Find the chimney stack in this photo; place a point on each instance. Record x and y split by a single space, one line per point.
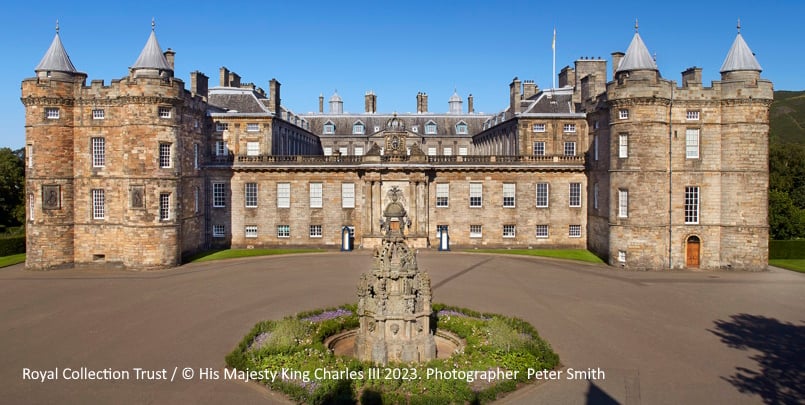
692 77
170 55
529 89
199 83
514 96
321 103
616 60
424 102
223 75
234 79
470 105
370 102
274 96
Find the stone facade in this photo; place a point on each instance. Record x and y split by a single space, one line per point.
142 173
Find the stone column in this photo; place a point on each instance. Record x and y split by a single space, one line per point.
377 206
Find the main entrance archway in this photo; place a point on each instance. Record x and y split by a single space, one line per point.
692 251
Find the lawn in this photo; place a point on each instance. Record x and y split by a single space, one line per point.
11 260
790 264
572 254
234 253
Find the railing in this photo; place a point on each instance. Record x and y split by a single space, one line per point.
354 160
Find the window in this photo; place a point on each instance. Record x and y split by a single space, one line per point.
462 151
570 148
476 194
283 231
595 195
692 143
415 128
377 128
29 155
569 128
692 115
221 149
251 195
98 152
164 206
250 231
539 148
164 112
623 146
218 195
358 128
461 128
431 151
475 231
595 146
329 128
623 203
538 128
691 204
52 113
574 231
623 114
347 195
283 195
508 195
221 126
252 127
343 150
195 156
430 128
315 231
218 231
31 207
98 204
542 195
98 114
164 155
315 195
442 194
195 200
542 231
575 194
252 148
328 151
359 151
622 256
509 231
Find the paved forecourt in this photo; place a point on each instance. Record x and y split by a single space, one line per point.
627 336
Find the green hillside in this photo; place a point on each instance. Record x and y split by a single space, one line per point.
787 118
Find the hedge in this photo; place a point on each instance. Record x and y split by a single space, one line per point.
787 249
12 245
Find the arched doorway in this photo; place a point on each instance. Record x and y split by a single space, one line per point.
692 251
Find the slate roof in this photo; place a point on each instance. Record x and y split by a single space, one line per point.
637 57
243 101
552 101
56 58
151 56
740 57
445 123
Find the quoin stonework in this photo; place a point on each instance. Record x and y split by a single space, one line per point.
646 172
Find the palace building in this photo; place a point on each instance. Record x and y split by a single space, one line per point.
143 172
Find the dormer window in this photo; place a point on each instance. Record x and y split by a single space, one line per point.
221 126
461 128
430 128
358 128
329 127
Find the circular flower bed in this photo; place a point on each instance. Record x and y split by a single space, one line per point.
289 356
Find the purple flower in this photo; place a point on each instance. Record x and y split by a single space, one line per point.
328 315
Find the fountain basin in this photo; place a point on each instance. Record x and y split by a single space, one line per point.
343 344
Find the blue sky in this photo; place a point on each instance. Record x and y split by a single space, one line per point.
393 48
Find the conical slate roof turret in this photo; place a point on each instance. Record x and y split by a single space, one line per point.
637 56
151 56
740 57
56 58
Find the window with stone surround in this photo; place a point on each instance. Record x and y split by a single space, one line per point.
252 148
595 147
570 148
218 195
539 148
164 155
476 231
283 231
344 150
542 231
692 143
98 152
623 146
98 204
448 151
538 128
218 231
251 195
569 128
315 195
575 194
221 126
347 195
542 195
328 151
31 206
509 231
574 231
221 149
315 231
164 206
196 195
431 151
623 203
476 194
623 114
692 115
195 156
250 231
359 151
283 195
164 112
691 204
442 194
52 113
509 195
29 154
98 114
622 256
462 151
595 195
252 127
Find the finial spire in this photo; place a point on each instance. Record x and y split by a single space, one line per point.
636 26
739 26
153 24
57 27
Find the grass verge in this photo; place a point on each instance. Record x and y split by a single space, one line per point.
790 264
12 259
572 254
235 253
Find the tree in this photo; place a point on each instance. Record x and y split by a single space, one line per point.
12 187
787 191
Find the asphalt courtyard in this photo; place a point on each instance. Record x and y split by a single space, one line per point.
657 338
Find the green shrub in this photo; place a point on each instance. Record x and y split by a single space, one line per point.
787 249
12 245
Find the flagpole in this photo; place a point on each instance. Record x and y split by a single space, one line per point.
553 46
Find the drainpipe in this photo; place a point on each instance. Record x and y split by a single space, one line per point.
670 176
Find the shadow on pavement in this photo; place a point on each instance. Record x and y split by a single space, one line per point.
597 396
781 357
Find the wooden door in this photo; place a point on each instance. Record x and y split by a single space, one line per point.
692 253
